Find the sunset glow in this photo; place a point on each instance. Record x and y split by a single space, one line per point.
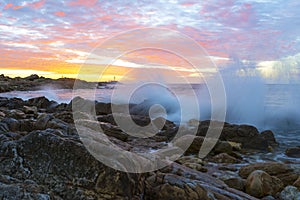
54 38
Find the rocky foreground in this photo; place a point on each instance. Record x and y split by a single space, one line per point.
42 157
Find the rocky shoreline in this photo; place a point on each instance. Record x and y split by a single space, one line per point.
42 157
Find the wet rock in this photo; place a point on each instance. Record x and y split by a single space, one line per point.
12 135
235 146
12 103
108 129
57 124
81 105
65 116
42 121
269 136
290 193
282 171
104 118
16 114
248 136
3 127
59 108
228 168
247 131
272 168
260 184
195 141
11 188
288 178
236 183
195 166
190 159
269 197
223 147
297 183
224 158
83 116
168 191
293 152
26 125
12 124
64 167
41 102
30 110
2 115
202 185
103 108
264 141
4 88
115 132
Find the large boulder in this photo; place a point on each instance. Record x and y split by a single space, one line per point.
249 137
293 152
41 102
260 184
63 166
282 171
223 147
272 168
224 158
236 183
82 105
246 135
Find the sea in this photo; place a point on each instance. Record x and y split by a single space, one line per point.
273 107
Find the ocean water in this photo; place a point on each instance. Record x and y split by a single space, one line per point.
277 107
274 106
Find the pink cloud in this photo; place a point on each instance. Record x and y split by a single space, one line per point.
38 4
40 20
86 3
188 4
10 5
230 14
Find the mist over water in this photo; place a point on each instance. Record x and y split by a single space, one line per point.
249 101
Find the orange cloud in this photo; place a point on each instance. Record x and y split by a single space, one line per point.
7 6
60 14
17 7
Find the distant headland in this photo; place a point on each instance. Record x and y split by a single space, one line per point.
36 82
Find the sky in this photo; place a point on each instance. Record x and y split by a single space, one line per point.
55 38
